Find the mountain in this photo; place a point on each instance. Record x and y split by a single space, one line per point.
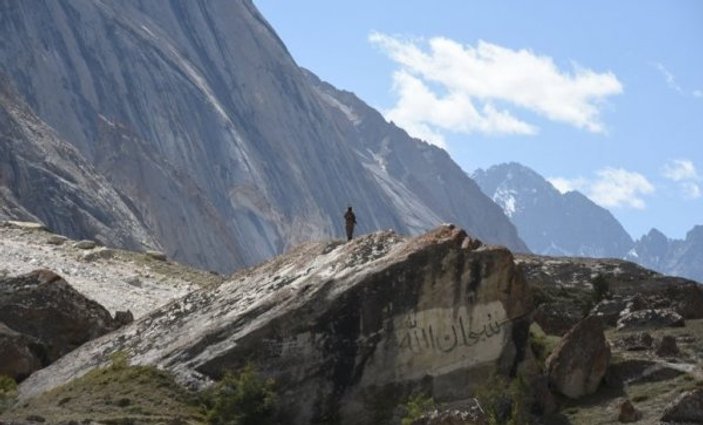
227 152
552 223
44 178
671 256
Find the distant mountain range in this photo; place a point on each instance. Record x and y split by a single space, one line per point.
570 224
188 126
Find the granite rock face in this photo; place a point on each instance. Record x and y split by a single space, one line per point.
339 326
43 178
197 114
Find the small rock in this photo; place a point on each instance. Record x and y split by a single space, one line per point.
123 318
156 255
134 281
103 253
85 244
687 408
628 413
667 347
56 240
639 341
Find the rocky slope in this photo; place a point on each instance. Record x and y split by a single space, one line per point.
118 280
196 113
549 222
347 330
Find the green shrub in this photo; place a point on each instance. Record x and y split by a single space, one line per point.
243 398
8 392
504 402
416 406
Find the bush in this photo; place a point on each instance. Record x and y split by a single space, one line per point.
242 399
416 406
601 288
8 392
504 402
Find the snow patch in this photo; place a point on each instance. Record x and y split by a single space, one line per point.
505 198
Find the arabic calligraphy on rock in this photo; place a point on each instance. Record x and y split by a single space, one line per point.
448 336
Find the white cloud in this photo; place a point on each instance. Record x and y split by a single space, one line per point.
611 188
683 172
567 185
616 187
697 93
447 86
669 78
679 170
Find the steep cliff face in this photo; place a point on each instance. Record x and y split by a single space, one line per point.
195 111
44 178
549 222
347 330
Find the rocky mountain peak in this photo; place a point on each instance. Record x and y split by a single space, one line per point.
552 223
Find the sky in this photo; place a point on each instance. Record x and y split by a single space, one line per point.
604 97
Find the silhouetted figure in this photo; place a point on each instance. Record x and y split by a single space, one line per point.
350 220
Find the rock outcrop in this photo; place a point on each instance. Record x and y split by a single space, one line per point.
650 318
20 354
43 318
578 364
339 326
688 408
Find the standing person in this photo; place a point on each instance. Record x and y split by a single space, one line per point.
350 220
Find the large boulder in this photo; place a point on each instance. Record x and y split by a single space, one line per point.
579 362
43 306
347 330
20 355
688 408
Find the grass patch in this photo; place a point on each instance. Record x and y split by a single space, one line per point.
542 344
8 392
116 394
416 406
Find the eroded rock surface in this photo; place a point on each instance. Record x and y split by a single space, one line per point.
339 326
578 364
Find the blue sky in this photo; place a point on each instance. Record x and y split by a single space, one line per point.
603 97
